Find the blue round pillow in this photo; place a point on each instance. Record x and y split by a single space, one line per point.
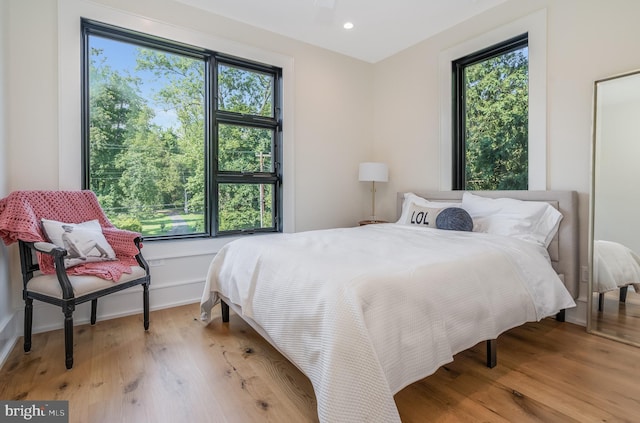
454 219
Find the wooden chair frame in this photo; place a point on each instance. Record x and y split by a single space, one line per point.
68 302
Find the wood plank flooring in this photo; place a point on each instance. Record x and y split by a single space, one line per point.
183 371
620 320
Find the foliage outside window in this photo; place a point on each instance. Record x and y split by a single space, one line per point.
179 141
491 118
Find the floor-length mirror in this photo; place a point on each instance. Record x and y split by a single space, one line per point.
614 277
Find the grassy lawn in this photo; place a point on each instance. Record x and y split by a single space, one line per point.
161 224
157 225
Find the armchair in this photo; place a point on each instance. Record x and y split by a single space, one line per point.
48 278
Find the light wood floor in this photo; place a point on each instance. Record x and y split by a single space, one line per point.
620 320
183 371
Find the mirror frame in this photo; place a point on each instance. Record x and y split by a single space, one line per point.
594 130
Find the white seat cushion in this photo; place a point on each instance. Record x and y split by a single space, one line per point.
82 285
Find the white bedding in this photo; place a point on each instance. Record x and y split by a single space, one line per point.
615 266
366 311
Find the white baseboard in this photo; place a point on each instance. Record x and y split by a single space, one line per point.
123 303
578 314
9 335
47 317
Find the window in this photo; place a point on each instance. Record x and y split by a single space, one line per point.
179 141
491 118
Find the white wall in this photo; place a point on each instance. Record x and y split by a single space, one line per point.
342 112
586 40
8 326
327 118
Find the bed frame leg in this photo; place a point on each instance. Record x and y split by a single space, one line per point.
492 353
600 301
560 316
623 293
225 311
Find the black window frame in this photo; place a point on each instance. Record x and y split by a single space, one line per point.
213 118
458 121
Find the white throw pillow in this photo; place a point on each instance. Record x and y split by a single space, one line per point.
423 216
536 221
84 242
411 199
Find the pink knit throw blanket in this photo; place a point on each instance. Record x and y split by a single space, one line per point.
20 219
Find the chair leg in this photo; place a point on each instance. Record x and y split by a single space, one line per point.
145 305
28 323
68 337
94 310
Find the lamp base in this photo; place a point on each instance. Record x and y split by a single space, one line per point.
371 222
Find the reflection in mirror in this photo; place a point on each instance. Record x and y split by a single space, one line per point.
614 282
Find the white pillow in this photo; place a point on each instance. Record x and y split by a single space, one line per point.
423 216
536 221
411 199
84 242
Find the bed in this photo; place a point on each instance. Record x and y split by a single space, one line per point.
615 266
365 311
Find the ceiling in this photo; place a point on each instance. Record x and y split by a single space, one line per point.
381 27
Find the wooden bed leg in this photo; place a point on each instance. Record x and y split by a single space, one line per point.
560 315
225 311
492 354
623 293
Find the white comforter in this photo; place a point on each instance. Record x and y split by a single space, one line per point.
615 266
366 311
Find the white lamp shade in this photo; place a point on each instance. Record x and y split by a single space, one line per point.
371 171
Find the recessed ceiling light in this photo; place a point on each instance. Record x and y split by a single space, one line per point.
348 25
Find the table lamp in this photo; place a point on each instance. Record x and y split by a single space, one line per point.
373 172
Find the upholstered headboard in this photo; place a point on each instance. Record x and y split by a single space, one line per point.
564 246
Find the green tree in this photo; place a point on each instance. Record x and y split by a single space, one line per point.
183 91
115 110
496 92
141 169
244 91
245 149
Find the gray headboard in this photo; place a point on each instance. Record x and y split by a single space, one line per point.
564 246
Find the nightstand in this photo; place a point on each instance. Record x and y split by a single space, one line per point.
371 222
